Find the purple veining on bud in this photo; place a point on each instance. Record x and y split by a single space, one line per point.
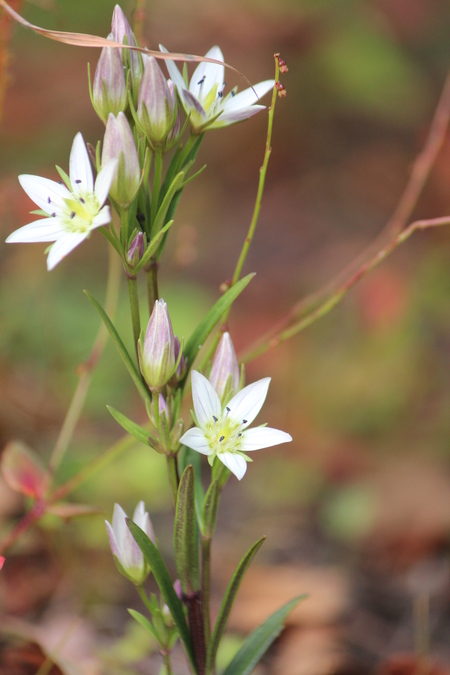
225 366
109 91
118 143
128 556
122 32
136 250
157 108
163 409
157 354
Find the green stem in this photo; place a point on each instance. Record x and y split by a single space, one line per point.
143 596
329 303
174 479
186 150
167 664
151 273
156 182
87 369
133 291
206 586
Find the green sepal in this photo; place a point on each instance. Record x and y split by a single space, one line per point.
145 623
131 427
162 577
184 537
126 358
39 212
228 600
210 508
206 325
64 177
259 641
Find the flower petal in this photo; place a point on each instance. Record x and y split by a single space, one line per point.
119 525
196 439
212 73
174 73
102 218
236 463
206 401
249 96
45 229
112 540
40 190
80 167
227 118
192 104
263 437
248 402
63 246
104 180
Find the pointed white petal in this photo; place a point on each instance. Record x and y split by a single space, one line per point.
148 528
206 401
249 96
195 439
40 190
227 118
63 246
139 514
248 402
80 169
104 180
263 437
212 72
45 229
112 540
118 524
193 105
102 218
174 73
236 463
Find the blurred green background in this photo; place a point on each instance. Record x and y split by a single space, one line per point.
365 392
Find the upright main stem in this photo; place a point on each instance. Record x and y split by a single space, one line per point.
206 586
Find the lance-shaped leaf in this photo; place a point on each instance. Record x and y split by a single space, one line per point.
165 585
126 358
22 469
210 508
131 427
145 623
152 247
189 456
204 328
260 640
184 535
228 600
164 207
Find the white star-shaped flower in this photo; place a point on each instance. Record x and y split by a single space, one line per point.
72 213
224 433
204 100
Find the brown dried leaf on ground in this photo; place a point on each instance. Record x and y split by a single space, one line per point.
266 589
311 651
408 664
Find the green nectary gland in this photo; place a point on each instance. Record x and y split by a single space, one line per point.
224 435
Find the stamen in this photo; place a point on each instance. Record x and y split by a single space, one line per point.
78 180
228 409
244 421
82 201
49 200
222 438
72 215
239 435
215 418
200 82
53 215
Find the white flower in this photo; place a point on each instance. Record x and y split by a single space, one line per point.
204 100
73 213
223 433
128 556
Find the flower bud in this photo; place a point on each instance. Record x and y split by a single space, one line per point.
136 250
174 133
22 470
121 31
118 143
225 367
157 108
109 91
157 355
128 556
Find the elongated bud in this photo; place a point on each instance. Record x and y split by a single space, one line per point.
157 355
174 133
121 31
157 109
136 250
109 91
225 368
128 556
118 143
181 361
22 470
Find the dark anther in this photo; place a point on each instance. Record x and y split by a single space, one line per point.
202 80
220 94
72 215
53 215
233 93
222 438
61 182
215 418
78 180
228 409
82 200
244 421
239 435
49 200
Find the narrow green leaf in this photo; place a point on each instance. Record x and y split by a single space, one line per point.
204 328
210 508
260 640
162 211
126 358
228 600
165 585
185 541
152 247
145 623
189 456
130 426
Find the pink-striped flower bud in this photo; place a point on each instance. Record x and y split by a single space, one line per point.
122 32
136 250
157 354
118 143
109 91
128 556
157 108
225 368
